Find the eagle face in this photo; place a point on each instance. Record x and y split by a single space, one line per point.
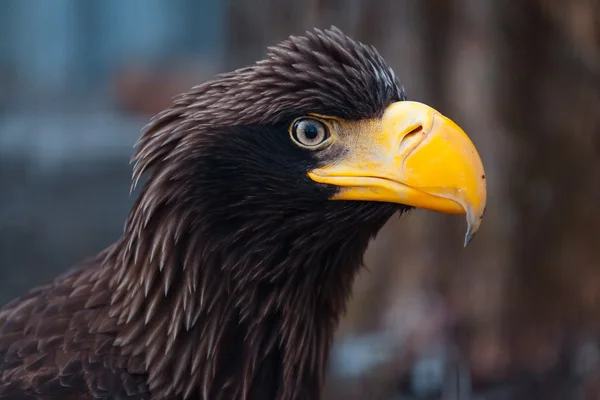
321 118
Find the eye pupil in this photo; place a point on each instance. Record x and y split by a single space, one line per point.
311 131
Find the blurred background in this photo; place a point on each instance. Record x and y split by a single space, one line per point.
516 315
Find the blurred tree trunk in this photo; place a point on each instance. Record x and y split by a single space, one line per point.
551 102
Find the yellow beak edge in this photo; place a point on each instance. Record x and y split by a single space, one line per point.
413 156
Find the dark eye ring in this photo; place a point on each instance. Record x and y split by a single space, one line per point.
310 133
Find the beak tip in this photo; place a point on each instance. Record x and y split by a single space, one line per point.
472 228
474 220
468 238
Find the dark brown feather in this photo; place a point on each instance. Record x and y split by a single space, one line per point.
233 269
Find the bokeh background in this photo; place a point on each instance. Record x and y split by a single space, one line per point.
516 315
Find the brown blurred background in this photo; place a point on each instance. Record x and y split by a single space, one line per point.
516 315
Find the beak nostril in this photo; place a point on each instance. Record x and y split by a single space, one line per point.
414 132
410 137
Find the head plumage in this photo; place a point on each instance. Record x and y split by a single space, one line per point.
323 72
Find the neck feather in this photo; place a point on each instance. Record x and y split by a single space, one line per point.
219 312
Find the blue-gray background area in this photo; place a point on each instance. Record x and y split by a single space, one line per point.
64 145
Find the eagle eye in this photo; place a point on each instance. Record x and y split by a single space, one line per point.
310 133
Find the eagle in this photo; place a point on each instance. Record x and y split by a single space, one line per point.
263 188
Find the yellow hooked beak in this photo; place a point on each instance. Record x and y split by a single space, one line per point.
414 156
